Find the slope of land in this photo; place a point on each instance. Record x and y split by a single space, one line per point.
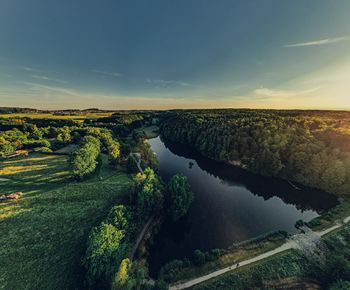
43 234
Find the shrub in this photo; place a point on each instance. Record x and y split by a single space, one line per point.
169 271
43 150
198 257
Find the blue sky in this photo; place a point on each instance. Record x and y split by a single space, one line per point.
175 54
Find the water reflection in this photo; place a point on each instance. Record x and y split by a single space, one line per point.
230 205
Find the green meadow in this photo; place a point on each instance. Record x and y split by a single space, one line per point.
43 235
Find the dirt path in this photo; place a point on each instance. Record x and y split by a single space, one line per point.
137 161
146 226
290 244
139 238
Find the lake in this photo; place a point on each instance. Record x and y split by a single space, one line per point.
231 205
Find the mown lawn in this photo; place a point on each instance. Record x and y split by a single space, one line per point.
43 235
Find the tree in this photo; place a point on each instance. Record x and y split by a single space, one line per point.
63 134
113 152
102 253
149 197
180 196
130 276
334 176
122 275
84 159
6 147
198 257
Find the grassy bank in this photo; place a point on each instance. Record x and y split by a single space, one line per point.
334 215
43 234
290 265
235 254
281 266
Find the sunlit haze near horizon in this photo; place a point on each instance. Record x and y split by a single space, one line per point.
165 54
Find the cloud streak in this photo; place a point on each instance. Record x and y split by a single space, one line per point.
271 93
158 83
45 78
318 42
106 73
51 89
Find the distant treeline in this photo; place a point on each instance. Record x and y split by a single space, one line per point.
309 147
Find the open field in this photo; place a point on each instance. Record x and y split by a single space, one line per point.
52 116
43 234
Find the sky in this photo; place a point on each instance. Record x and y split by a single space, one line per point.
165 54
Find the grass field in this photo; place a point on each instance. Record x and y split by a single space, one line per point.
43 234
52 116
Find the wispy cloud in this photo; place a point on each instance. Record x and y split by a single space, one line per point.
28 69
52 89
159 83
45 78
318 42
106 73
271 93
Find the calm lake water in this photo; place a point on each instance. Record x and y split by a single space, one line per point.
230 205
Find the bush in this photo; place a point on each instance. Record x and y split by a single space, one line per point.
169 271
160 285
30 144
43 150
198 257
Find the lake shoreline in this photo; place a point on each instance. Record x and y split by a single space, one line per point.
234 180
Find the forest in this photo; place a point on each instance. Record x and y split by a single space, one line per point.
308 147
91 150
66 156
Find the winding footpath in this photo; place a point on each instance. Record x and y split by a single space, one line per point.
290 244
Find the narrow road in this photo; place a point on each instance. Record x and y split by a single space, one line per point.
290 244
137 161
139 238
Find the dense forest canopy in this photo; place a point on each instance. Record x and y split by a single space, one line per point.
309 147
